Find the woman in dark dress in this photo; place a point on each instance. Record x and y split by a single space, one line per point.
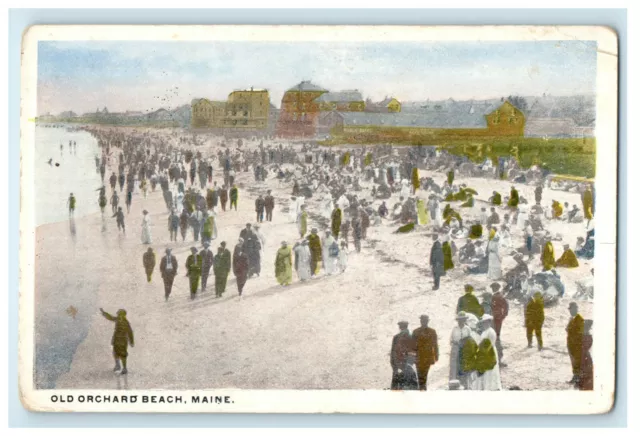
240 265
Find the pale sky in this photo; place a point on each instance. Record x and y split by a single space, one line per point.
84 75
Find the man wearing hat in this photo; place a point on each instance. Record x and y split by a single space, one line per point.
121 339
207 262
315 246
401 345
269 205
426 347
575 331
194 270
469 303
168 271
221 268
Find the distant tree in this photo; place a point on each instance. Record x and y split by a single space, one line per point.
518 102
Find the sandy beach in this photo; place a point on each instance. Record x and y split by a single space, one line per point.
330 333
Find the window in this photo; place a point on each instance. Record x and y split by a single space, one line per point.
246 113
496 119
513 120
235 122
244 122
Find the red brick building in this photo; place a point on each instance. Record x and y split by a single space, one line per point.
299 111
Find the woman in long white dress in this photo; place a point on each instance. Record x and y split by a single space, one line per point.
146 228
493 251
303 267
489 380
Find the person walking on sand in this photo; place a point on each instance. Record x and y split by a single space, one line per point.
146 227
534 319
303 260
436 261
129 200
487 357
269 205
119 216
121 339
112 181
499 311
149 262
336 221
233 197
259 209
184 223
207 262
221 268
283 265
223 198
240 265
114 202
302 221
193 266
401 345
575 333
71 204
173 224
168 271
426 347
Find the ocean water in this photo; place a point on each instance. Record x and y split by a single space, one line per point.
57 335
76 172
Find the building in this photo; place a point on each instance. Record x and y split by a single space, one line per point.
207 113
342 101
247 109
389 105
299 110
504 120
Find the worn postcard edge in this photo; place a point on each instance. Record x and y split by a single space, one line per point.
601 400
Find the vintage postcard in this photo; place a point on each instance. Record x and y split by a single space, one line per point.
318 219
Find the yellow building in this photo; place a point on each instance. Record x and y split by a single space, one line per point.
207 113
391 104
388 105
247 109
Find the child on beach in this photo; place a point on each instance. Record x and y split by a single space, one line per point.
121 339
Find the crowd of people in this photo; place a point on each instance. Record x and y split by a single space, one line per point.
336 196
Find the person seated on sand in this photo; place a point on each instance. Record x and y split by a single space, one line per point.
409 227
484 216
467 252
496 199
493 219
449 214
584 287
568 259
565 212
516 276
575 215
476 230
397 209
556 210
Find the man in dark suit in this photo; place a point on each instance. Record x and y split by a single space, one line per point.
193 265
168 271
269 204
425 340
259 209
401 345
207 262
221 268
436 260
575 331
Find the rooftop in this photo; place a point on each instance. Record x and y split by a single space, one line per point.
341 97
306 85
